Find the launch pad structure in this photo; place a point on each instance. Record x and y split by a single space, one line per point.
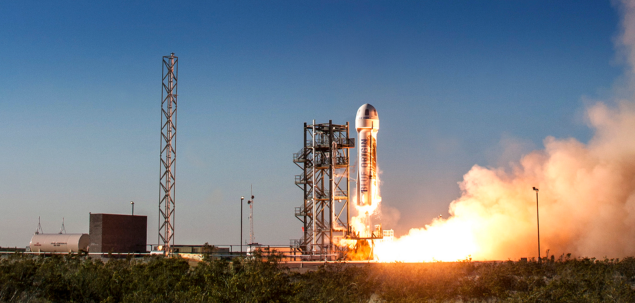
325 213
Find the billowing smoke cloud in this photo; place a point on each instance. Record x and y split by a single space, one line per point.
587 193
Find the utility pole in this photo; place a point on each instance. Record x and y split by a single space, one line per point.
241 225
538 223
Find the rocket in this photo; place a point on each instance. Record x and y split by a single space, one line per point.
367 125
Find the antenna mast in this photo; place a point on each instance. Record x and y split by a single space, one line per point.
39 227
167 193
252 238
63 229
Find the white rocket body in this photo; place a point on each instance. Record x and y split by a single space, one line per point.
367 125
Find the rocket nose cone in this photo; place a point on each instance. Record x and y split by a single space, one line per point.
367 111
367 117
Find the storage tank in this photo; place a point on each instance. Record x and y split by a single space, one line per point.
59 243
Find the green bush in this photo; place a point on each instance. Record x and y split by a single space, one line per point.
74 278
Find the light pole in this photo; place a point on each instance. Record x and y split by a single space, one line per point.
132 203
241 225
538 223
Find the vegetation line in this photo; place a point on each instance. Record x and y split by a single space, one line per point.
263 278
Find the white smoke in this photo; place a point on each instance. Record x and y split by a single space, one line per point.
587 191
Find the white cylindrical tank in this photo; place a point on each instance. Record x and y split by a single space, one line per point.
367 125
59 243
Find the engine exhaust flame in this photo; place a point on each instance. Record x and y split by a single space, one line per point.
587 195
587 204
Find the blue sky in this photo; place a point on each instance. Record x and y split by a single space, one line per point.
455 83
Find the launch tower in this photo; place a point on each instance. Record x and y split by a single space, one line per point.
325 213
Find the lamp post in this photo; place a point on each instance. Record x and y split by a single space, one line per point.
538 223
241 225
132 203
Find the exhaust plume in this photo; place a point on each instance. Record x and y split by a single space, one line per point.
587 193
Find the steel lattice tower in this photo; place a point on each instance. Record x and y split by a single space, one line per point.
170 69
325 213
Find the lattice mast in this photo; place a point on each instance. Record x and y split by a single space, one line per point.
325 213
39 227
63 228
252 236
170 71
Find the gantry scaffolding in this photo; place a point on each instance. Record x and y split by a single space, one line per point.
325 213
170 71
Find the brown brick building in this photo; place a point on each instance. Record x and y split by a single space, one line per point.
118 233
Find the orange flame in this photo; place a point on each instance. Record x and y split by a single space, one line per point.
442 240
587 193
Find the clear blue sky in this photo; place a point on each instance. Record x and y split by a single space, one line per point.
453 82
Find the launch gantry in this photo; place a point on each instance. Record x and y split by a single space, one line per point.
325 213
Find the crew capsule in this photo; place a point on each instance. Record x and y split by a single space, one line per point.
367 117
